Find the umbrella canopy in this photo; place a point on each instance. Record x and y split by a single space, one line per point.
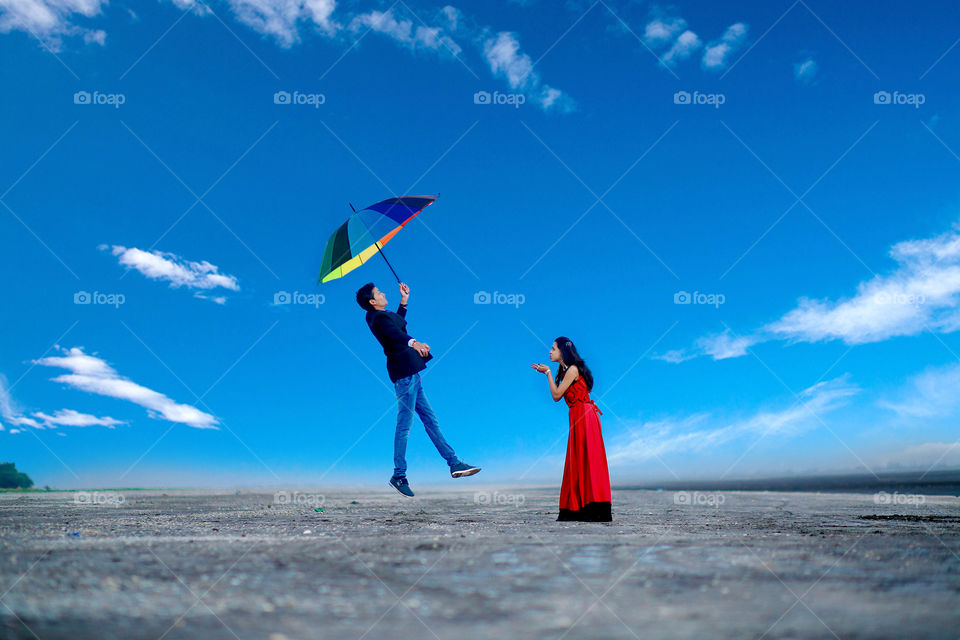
365 233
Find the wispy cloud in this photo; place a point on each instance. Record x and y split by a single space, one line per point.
669 33
13 415
685 45
502 52
725 345
931 394
805 70
171 268
71 418
922 293
662 30
703 431
284 21
720 346
408 34
716 55
10 412
51 20
93 375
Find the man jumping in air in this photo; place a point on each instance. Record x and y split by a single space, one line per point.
406 358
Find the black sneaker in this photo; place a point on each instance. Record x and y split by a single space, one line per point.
401 485
462 470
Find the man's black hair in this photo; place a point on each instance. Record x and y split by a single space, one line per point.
364 296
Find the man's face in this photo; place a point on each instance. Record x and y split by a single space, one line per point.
379 299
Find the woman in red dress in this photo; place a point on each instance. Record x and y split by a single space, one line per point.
585 492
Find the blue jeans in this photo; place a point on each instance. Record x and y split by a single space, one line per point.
410 399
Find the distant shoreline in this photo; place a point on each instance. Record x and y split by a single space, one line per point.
931 483
916 482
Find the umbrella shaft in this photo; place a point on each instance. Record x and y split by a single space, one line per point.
388 262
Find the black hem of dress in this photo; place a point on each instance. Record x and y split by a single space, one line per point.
591 512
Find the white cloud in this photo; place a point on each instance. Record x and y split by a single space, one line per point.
6 403
195 6
281 19
504 56
922 293
453 16
405 32
684 46
725 345
715 56
661 30
93 375
502 52
99 36
71 418
158 265
675 355
50 20
702 431
805 71
10 412
719 346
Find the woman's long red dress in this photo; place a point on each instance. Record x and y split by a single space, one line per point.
585 492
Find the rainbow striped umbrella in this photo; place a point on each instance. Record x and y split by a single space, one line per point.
365 233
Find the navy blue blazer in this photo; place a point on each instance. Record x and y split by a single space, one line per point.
390 329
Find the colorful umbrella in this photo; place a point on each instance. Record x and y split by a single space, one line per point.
365 233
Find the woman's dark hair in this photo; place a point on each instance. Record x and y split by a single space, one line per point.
569 355
364 296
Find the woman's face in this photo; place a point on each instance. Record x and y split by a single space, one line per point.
554 353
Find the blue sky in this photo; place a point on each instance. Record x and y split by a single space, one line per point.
745 215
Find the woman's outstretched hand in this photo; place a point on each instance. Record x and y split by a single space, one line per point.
541 368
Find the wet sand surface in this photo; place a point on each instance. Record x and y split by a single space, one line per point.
476 564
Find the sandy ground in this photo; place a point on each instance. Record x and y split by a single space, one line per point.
226 565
